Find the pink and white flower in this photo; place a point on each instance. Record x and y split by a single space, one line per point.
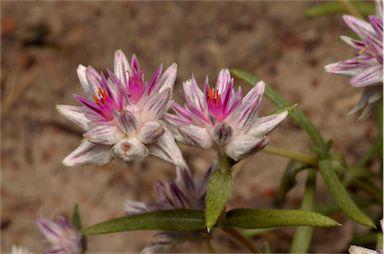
61 235
222 117
122 114
366 68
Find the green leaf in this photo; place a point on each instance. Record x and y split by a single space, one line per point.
218 193
303 235
335 7
76 221
288 181
295 114
254 218
170 220
341 196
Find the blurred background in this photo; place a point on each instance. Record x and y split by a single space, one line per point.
42 45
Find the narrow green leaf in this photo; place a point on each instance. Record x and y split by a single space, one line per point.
295 114
335 7
288 181
341 196
218 193
303 235
171 220
254 218
76 220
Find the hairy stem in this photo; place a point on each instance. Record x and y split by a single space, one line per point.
306 158
240 238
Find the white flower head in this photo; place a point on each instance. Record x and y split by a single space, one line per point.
122 114
222 117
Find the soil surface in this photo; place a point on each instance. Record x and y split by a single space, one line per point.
42 45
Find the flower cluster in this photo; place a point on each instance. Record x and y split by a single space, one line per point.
366 68
185 192
124 116
222 117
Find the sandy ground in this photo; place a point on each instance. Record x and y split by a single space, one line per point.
42 44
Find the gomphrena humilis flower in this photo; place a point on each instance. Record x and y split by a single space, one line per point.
366 68
122 114
186 192
61 235
222 117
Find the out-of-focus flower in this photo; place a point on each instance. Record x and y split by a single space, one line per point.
221 117
353 249
122 114
366 68
61 235
20 250
186 192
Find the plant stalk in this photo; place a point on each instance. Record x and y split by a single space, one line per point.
240 238
303 235
350 8
306 158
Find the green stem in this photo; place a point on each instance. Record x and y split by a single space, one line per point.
370 189
375 149
352 10
303 235
208 246
306 158
240 238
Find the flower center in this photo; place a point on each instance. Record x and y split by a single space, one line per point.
213 97
100 97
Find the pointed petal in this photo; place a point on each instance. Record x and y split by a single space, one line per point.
356 44
75 114
193 94
243 146
150 132
88 153
128 122
377 25
360 250
94 80
351 67
263 125
83 80
360 27
130 149
154 79
134 207
165 148
167 80
49 229
121 66
370 76
223 81
250 104
157 105
196 136
370 95
104 134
